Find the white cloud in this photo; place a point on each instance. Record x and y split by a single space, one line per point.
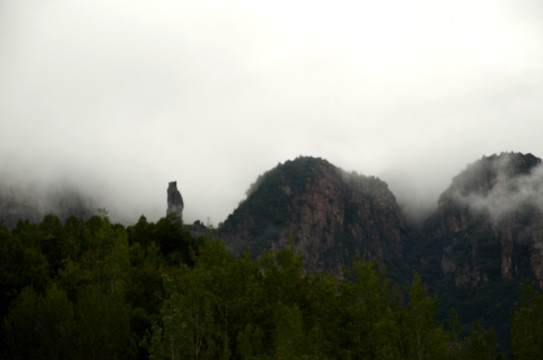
214 93
507 192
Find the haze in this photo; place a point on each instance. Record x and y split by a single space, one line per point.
122 97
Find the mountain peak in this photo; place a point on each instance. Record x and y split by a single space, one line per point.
498 185
483 174
328 213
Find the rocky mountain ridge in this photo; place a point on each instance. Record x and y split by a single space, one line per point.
484 239
319 207
491 213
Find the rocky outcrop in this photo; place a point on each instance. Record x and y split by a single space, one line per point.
490 220
536 261
327 213
175 200
485 239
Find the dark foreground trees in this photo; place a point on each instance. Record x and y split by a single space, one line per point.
527 325
96 290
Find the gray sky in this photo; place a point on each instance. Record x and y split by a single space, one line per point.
124 96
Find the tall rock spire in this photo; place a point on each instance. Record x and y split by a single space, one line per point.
175 200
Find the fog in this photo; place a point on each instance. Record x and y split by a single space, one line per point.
121 97
507 193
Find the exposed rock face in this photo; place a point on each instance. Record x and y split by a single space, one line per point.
485 239
491 220
175 200
329 215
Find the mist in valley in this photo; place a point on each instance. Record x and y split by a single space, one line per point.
113 100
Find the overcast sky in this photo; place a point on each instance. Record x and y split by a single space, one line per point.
124 96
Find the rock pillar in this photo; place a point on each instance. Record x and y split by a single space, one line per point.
175 201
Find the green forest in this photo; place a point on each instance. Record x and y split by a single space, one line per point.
91 289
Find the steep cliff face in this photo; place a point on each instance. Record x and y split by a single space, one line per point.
328 213
491 221
485 239
174 200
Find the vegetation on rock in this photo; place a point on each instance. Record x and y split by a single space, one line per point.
328 213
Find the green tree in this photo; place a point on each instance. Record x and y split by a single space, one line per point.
482 343
41 327
423 338
73 236
22 264
103 326
140 233
52 243
20 326
369 326
527 324
104 260
186 329
456 346
208 307
250 342
288 335
55 325
175 243
236 293
144 290
322 316
283 279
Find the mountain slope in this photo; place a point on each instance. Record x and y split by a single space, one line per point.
489 218
328 213
485 239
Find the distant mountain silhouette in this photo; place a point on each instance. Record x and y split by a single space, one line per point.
24 202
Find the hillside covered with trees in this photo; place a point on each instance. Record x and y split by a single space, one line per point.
96 290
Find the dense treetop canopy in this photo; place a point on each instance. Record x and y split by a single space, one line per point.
96 290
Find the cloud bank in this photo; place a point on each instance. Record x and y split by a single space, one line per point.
125 96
